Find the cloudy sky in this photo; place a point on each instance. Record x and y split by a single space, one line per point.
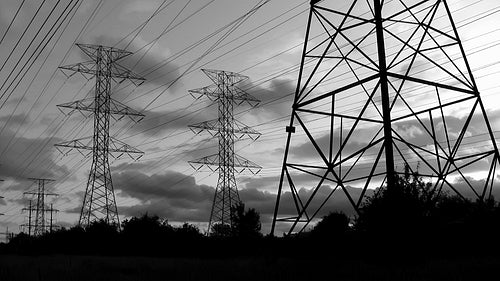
172 41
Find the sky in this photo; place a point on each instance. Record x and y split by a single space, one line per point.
169 51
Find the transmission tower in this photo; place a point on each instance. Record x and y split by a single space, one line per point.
52 224
28 225
227 94
99 200
390 82
1 197
8 235
39 209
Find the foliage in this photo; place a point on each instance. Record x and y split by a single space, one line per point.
401 209
246 224
410 220
144 225
334 224
220 230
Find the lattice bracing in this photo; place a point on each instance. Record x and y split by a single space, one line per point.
213 163
227 94
38 224
99 54
117 109
99 200
240 130
116 148
219 90
390 86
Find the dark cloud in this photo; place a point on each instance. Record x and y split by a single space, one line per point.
132 166
177 197
279 94
264 202
34 157
157 123
15 120
143 62
464 188
306 150
171 195
74 210
24 200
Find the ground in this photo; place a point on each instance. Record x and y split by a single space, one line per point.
75 268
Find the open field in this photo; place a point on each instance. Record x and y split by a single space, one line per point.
76 268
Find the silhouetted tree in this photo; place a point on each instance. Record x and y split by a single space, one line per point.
144 225
399 210
101 228
246 224
334 224
188 231
220 230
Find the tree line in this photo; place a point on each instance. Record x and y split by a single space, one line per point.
411 220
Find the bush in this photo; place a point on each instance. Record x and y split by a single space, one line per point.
246 224
333 225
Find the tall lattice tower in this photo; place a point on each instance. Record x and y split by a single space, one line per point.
99 200
382 85
39 224
227 94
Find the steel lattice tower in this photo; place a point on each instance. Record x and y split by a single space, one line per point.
99 200
227 94
39 208
391 82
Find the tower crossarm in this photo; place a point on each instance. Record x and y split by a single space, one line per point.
214 160
99 199
214 128
226 93
114 53
214 93
217 75
116 148
88 70
242 162
111 56
115 108
36 193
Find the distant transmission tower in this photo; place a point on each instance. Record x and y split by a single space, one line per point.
39 209
99 200
1 197
8 235
382 85
226 93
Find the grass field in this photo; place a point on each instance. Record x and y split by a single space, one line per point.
79 268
